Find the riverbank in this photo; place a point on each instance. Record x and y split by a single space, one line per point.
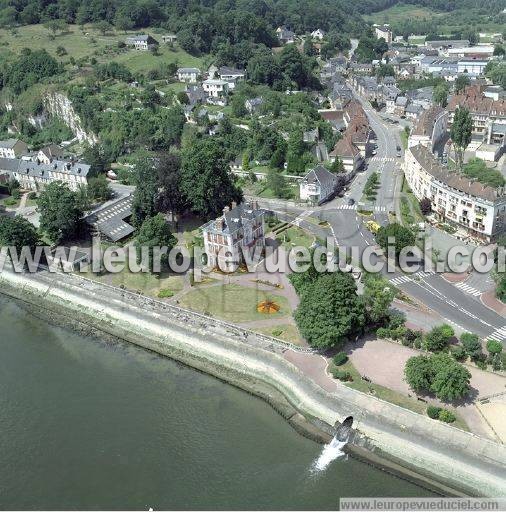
432 450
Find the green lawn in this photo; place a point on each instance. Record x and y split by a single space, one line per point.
285 332
295 237
144 282
400 12
233 302
141 61
89 42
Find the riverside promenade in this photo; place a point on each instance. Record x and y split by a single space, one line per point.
434 450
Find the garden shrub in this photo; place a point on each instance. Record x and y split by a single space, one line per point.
447 416
433 412
340 358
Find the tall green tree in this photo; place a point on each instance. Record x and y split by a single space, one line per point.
170 197
440 95
460 133
330 311
17 232
205 180
60 212
146 190
378 296
402 237
154 232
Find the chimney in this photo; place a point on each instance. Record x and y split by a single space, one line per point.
234 205
219 223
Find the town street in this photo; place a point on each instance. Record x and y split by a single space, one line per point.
462 309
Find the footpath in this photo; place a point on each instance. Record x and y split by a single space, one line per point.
262 365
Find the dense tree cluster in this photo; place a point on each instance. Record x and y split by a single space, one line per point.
28 69
439 374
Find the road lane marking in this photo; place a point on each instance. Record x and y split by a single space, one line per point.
468 289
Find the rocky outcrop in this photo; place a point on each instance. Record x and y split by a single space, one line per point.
59 105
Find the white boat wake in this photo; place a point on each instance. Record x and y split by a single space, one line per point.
330 452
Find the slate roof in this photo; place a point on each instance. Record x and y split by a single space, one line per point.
234 219
224 70
8 143
39 169
345 148
454 180
321 176
110 220
425 124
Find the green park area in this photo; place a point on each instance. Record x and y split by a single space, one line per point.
234 303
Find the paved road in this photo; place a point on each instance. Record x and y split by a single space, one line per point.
457 304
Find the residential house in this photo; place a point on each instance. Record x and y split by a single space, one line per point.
142 42
169 38
413 112
348 153
400 105
320 185
239 229
318 34
231 76
383 31
215 88
335 118
49 153
389 94
421 97
189 75
475 209
285 35
12 148
196 94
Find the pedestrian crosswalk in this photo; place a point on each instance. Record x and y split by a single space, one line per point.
499 334
468 289
302 216
400 280
382 159
410 278
354 207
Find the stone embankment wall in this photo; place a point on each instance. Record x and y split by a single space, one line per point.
432 449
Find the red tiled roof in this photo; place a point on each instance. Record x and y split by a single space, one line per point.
345 148
473 99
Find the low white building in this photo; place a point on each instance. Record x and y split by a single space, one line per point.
142 42
319 185
468 205
189 75
215 88
231 76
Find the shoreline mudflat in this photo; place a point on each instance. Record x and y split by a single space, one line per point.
437 455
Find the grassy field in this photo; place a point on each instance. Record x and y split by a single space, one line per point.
233 303
400 12
89 42
144 282
285 332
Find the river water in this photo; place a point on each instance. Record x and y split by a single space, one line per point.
88 424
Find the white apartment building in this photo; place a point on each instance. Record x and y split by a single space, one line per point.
240 228
36 175
474 208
